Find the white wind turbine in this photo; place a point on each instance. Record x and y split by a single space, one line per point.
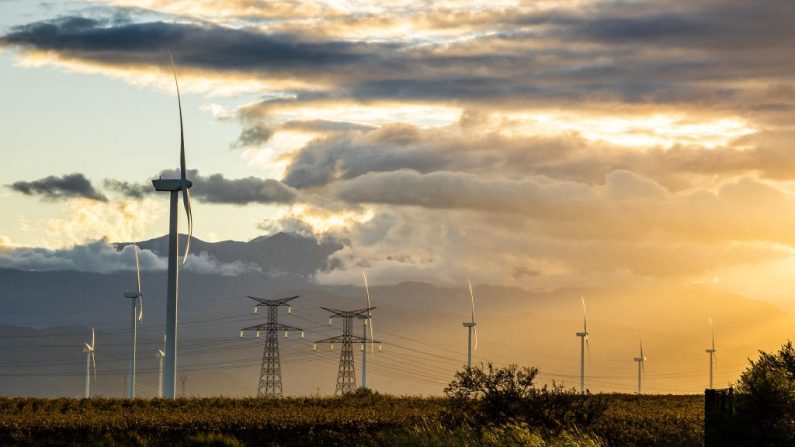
90 361
160 355
584 342
174 186
711 351
471 327
137 315
367 322
641 366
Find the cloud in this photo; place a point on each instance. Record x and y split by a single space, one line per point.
253 136
216 188
98 257
127 189
54 188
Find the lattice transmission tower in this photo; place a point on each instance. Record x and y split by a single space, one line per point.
346 374
270 376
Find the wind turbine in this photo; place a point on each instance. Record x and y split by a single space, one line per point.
470 325
90 361
711 351
136 299
160 355
174 186
368 321
583 343
641 366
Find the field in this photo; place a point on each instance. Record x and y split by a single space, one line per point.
368 420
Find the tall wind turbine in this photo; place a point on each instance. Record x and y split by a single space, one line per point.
470 325
137 315
174 186
90 361
641 366
583 343
367 321
711 351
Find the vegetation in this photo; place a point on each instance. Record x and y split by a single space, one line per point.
765 400
486 406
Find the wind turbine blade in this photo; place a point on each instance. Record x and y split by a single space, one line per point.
137 266
138 271
588 350
189 214
472 297
94 365
181 132
369 314
584 316
475 332
92 338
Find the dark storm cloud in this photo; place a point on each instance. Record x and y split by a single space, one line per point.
216 188
198 45
54 188
609 52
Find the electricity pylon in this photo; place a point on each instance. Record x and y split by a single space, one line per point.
346 374
270 375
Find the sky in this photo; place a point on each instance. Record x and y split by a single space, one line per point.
537 144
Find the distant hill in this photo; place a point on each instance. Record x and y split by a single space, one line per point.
278 254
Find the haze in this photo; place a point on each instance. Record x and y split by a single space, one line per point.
634 153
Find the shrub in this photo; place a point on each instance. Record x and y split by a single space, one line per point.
489 395
765 407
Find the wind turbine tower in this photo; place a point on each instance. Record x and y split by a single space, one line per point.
90 361
641 366
711 351
270 376
584 343
174 187
471 328
346 374
366 322
136 299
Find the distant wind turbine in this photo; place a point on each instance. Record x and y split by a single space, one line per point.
471 327
711 351
584 342
137 315
368 321
174 186
641 366
90 362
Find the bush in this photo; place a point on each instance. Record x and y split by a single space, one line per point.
765 407
494 396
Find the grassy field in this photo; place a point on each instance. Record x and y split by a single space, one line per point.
369 420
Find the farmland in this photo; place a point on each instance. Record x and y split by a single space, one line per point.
364 420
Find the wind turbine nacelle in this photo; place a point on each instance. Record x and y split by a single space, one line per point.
131 294
582 334
710 351
469 324
171 184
